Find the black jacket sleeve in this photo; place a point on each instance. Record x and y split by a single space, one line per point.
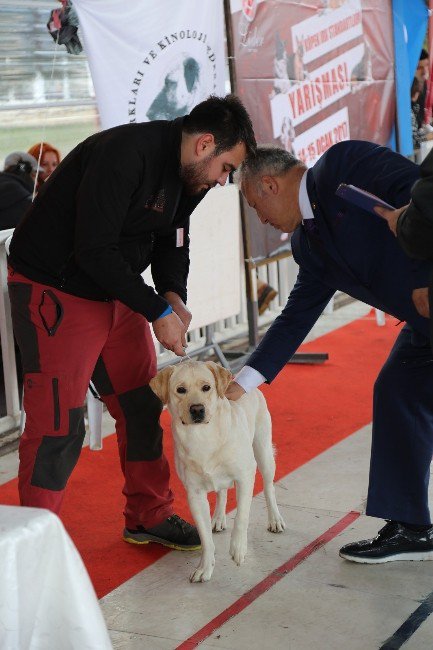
415 225
112 174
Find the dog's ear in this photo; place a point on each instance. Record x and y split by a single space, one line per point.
222 377
160 383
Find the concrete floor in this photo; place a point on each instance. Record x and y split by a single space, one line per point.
323 603
317 602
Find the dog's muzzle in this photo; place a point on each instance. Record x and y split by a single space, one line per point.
197 412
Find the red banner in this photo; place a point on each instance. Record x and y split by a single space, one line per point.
312 74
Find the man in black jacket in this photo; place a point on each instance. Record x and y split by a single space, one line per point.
413 226
119 202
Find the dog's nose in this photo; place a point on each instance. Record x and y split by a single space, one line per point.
197 412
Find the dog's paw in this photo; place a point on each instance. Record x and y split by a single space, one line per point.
276 523
219 523
202 573
238 548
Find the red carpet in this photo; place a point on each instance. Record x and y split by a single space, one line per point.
312 407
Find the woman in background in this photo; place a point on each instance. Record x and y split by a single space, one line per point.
50 159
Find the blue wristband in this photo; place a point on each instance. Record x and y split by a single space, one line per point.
166 312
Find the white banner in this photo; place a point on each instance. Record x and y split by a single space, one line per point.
214 283
152 60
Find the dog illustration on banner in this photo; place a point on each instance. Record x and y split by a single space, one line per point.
289 69
218 442
180 92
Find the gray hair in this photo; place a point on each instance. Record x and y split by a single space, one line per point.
267 161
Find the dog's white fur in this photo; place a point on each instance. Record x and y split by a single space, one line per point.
220 449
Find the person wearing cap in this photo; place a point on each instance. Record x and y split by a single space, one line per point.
117 203
16 187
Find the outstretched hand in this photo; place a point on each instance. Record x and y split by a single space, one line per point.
391 216
171 333
421 301
234 391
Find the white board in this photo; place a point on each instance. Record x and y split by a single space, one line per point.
214 286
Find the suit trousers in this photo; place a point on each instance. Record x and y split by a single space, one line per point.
402 441
65 341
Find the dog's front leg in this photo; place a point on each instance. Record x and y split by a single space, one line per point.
244 495
199 506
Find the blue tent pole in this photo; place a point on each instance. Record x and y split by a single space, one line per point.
410 21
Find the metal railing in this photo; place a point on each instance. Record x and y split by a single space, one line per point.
281 274
12 417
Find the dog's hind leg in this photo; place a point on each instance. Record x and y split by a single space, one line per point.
219 521
264 455
244 497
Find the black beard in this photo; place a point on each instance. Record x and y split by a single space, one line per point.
194 175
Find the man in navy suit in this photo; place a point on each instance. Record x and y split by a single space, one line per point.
338 246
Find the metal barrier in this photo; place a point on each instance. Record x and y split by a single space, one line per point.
280 274
12 417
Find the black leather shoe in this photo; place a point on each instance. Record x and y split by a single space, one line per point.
174 532
393 542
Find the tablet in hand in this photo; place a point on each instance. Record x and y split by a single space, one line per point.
361 198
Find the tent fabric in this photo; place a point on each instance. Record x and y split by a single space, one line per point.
410 26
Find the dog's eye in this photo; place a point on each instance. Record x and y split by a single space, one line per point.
205 388
181 390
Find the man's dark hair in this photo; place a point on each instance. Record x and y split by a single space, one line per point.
423 55
228 121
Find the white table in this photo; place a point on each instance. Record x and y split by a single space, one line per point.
47 601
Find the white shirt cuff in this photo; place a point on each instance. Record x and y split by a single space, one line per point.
248 378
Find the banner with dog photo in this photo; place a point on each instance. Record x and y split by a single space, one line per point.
152 60
313 74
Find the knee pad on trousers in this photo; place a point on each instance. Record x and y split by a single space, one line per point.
57 455
141 409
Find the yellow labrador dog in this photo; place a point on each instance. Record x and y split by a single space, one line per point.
217 442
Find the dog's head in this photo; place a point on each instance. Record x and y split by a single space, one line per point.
192 389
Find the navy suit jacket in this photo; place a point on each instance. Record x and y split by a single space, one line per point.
354 251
